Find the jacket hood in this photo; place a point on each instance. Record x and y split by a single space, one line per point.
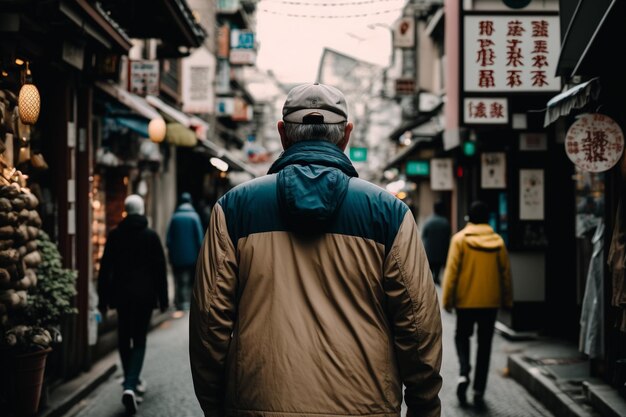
185 207
134 222
312 182
482 237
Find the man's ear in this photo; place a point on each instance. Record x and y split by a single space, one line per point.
346 136
283 138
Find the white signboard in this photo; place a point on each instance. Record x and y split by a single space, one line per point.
511 53
144 78
493 170
404 32
441 174
485 111
531 194
242 56
198 77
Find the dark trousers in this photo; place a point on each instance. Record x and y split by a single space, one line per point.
435 268
132 330
485 319
183 282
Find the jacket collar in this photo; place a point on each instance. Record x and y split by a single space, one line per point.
314 152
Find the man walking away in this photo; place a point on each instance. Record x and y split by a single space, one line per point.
477 281
436 237
184 239
133 280
313 295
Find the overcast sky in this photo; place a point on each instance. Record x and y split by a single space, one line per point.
292 33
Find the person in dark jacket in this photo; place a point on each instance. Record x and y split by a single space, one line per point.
132 280
184 239
436 234
313 295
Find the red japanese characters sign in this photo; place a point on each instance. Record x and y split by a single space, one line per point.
594 142
485 110
511 53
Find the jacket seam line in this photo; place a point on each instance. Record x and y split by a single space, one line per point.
308 413
403 277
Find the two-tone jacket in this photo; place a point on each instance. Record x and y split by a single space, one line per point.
478 271
313 297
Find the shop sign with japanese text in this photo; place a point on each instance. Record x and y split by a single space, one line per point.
485 111
197 82
144 77
511 53
594 142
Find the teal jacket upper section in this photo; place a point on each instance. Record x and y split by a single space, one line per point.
313 188
184 236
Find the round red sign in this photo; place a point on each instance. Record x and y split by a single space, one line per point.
594 142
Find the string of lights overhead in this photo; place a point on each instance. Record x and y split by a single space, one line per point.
333 4
347 16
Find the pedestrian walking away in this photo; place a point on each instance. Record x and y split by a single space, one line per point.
132 280
436 237
477 282
184 239
313 294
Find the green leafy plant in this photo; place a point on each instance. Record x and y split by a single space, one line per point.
52 297
36 326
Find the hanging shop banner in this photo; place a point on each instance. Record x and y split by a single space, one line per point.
223 41
197 82
242 111
441 174
533 141
485 111
404 32
511 53
224 106
242 44
594 142
493 170
227 6
531 199
143 77
222 79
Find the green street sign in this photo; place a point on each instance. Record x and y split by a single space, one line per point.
421 168
469 148
358 154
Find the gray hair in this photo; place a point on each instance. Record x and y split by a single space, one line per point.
298 132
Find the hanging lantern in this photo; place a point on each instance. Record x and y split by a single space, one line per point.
29 104
156 130
29 101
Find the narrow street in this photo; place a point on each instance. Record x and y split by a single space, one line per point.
170 391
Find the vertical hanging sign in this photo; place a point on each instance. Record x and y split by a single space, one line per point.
511 53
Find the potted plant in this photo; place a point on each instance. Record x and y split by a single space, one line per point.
28 333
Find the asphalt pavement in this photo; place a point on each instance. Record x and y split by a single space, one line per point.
170 391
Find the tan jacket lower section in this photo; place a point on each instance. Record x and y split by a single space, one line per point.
320 327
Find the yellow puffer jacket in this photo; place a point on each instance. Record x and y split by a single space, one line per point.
478 272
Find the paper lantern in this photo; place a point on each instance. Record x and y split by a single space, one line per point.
29 104
156 130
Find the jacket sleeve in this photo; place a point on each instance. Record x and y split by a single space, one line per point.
451 273
505 274
413 313
213 314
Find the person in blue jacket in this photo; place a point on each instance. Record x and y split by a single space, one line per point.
184 239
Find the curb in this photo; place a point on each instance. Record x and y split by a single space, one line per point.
69 394
544 388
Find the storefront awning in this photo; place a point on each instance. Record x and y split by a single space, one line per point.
224 154
137 125
196 124
130 100
405 153
171 113
421 119
179 135
574 98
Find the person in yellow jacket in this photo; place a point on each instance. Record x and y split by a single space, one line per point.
477 282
